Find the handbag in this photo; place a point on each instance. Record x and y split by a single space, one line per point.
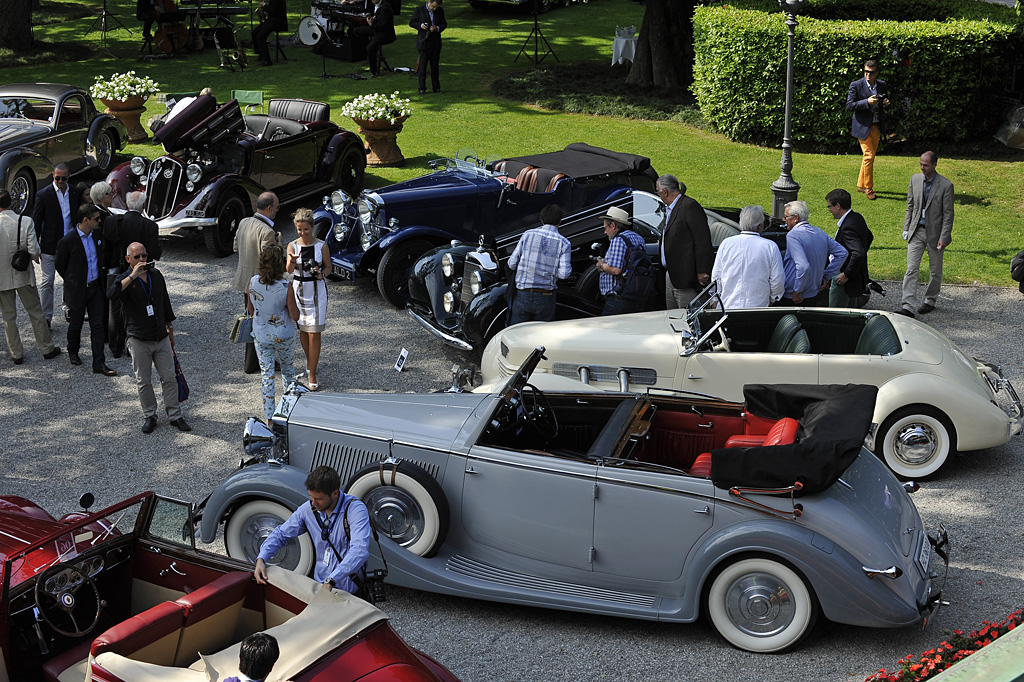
183 389
241 330
20 258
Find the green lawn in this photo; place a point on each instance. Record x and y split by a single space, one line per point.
480 46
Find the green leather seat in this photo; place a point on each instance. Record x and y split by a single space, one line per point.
878 338
800 343
786 327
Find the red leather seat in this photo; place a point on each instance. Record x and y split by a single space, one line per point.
151 637
702 466
782 433
211 614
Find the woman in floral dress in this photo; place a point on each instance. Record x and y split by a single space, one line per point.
309 260
274 309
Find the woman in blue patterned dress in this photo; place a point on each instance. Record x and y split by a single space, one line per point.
309 260
274 310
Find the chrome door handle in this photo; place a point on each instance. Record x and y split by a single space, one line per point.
705 510
173 567
471 470
694 377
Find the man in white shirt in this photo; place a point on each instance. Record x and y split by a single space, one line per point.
748 268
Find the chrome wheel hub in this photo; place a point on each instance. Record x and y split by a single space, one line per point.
760 605
396 514
915 443
256 530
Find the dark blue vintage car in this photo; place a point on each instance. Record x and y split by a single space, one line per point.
43 124
386 231
460 293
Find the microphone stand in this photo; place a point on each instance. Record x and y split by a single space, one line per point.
104 16
537 36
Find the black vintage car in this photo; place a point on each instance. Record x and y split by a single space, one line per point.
218 161
43 124
460 292
385 231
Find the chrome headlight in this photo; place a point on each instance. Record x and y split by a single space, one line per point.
367 211
340 201
257 439
365 238
137 165
449 302
447 265
475 284
194 172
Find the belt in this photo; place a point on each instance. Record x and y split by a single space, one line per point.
537 290
93 283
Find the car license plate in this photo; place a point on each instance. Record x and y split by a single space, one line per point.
194 213
926 554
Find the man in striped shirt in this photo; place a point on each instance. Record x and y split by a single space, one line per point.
541 257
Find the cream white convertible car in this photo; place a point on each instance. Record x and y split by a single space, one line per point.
933 399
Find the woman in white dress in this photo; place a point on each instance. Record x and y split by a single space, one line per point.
309 261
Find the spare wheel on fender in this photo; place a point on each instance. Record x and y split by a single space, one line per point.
405 504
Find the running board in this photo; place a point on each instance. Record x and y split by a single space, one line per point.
472 568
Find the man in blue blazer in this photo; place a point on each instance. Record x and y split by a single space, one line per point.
54 217
848 287
867 100
79 260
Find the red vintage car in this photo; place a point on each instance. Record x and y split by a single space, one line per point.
123 594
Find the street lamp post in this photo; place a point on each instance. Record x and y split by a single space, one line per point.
785 189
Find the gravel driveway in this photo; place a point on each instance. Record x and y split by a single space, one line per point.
66 431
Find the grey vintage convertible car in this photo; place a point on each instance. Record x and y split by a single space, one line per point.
657 507
43 124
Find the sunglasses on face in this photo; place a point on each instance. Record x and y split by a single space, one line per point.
141 256
60 178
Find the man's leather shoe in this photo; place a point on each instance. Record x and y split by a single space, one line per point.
18 361
181 424
52 354
904 311
438 91
423 92
104 370
73 357
149 425
925 309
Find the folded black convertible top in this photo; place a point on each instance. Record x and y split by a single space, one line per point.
834 420
580 160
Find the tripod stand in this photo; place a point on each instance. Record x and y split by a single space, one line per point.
105 16
537 37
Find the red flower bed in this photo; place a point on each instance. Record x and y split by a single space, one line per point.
959 647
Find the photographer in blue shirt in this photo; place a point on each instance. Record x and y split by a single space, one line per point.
339 526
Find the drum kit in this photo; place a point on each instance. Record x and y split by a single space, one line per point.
327 32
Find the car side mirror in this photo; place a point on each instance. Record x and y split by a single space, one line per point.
86 501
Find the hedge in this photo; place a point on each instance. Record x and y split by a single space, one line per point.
946 78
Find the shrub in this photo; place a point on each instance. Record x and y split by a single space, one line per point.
945 77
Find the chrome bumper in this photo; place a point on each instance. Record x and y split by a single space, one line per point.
168 224
999 383
453 341
940 546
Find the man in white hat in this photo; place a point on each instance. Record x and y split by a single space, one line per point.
613 265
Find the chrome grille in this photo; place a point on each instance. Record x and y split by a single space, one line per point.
165 179
469 267
643 376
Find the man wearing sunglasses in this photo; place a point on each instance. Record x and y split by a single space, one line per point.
149 322
339 526
867 100
54 217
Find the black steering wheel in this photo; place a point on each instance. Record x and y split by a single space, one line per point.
66 602
539 412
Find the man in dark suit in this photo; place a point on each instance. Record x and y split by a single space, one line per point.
54 217
867 99
275 18
686 252
928 225
380 31
120 232
848 287
429 21
79 260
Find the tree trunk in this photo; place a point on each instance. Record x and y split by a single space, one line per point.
664 49
16 25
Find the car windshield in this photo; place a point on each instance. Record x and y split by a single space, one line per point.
79 537
27 108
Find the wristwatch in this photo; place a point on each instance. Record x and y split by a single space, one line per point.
330 582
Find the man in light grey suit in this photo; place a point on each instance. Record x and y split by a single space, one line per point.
928 225
254 234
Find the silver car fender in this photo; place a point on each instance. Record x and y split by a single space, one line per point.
837 580
281 483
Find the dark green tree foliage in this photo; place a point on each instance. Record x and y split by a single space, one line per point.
946 74
16 25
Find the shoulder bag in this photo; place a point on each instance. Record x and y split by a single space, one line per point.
21 258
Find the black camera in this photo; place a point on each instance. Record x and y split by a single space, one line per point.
149 265
375 586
